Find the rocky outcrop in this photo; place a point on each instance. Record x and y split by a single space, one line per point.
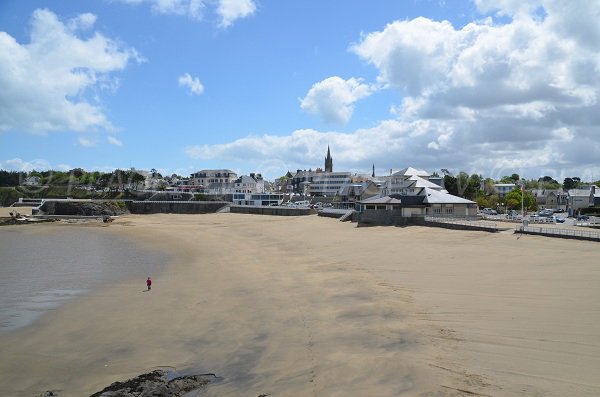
157 384
86 208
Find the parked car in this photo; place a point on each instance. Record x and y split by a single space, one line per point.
489 211
559 219
546 212
512 214
583 218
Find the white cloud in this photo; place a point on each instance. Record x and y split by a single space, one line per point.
228 11
193 83
190 8
44 83
232 10
333 98
114 141
18 164
522 93
497 96
85 142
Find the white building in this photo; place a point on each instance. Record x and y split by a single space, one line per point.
215 181
502 189
409 181
252 183
327 184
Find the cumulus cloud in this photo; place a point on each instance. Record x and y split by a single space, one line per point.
18 164
333 98
517 93
114 141
192 83
228 11
44 83
190 8
232 10
514 91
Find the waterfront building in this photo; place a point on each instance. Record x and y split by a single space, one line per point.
410 181
353 193
252 183
214 182
428 202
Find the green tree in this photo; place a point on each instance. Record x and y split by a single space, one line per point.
513 200
137 179
451 185
11 178
569 183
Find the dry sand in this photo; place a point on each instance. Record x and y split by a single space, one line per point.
310 306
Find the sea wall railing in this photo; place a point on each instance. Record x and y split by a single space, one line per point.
463 223
577 234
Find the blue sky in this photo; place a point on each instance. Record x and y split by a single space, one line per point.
491 87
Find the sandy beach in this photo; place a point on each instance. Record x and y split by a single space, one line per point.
309 306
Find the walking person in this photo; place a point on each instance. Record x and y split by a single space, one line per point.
149 284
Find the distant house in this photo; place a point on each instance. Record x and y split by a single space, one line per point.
32 181
551 198
251 190
252 183
215 182
502 189
581 198
356 192
320 183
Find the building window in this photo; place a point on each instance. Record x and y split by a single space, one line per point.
437 210
449 210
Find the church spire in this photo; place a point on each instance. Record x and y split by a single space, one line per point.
328 161
373 174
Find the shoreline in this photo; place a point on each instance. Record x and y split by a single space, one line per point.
338 311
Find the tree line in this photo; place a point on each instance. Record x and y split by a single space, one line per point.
118 179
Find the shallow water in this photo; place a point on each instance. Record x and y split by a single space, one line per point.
40 270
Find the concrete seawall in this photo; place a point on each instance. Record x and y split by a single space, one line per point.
175 207
587 235
277 211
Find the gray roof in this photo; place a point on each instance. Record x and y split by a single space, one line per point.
433 196
420 182
245 179
382 200
580 192
410 171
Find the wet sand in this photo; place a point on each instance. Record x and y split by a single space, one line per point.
312 306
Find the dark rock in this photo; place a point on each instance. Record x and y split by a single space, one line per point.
88 208
156 384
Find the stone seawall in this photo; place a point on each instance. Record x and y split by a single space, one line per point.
385 218
175 207
277 211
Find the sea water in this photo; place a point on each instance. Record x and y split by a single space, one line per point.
39 270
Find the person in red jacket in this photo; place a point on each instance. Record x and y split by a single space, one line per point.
149 283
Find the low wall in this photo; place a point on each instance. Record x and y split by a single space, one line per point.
385 218
461 226
588 235
277 211
175 207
